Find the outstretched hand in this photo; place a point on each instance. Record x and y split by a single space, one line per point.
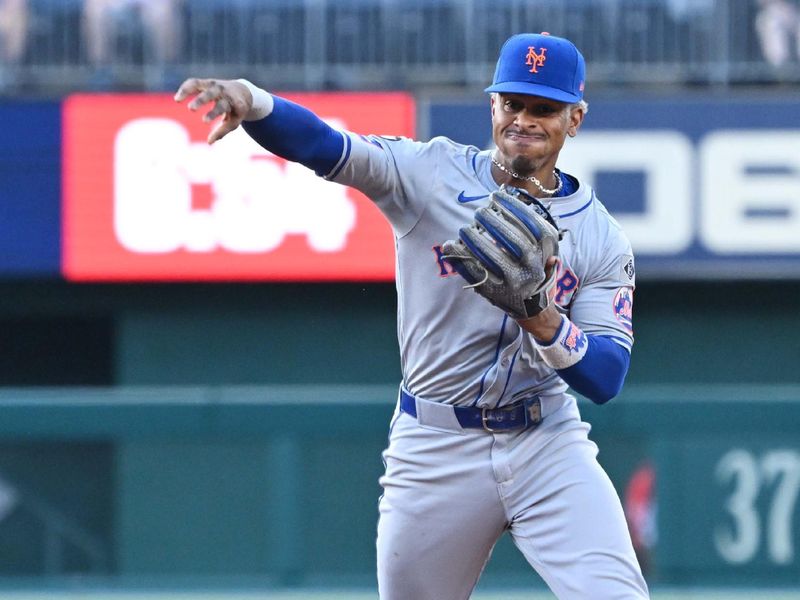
232 100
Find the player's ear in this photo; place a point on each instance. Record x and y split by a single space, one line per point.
576 115
492 102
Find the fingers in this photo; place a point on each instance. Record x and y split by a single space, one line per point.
221 107
516 211
225 126
509 238
458 257
190 87
207 91
486 251
551 267
204 92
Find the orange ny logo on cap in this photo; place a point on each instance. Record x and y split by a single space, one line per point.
534 60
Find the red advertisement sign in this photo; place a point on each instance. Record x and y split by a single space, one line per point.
147 199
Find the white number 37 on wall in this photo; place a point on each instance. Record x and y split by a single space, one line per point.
738 541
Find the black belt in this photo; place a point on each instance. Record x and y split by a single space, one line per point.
524 414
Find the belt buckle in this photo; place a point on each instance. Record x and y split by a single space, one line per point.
505 410
485 421
531 415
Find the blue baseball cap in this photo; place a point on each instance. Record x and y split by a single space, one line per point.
540 64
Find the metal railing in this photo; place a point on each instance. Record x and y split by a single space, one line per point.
64 544
397 44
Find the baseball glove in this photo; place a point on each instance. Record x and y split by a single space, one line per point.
503 253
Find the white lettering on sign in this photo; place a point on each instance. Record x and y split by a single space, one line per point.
747 195
255 199
751 191
776 472
665 157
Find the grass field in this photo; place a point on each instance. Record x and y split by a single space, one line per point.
717 594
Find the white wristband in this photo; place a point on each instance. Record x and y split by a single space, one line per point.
567 348
262 102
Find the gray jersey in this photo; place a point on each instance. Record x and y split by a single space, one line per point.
455 347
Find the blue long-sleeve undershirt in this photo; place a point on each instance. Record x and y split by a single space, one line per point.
295 133
599 375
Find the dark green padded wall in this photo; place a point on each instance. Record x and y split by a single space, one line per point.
282 333
267 334
717 333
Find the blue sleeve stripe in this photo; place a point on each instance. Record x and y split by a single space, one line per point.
624 342
599 375
348 145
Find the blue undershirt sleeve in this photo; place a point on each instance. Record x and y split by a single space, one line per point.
295 133
599 375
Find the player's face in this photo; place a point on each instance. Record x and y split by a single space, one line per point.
529 131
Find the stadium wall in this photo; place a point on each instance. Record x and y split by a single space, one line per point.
278 484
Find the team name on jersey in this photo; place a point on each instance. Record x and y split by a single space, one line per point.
566 285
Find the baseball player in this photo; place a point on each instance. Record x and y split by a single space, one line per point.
513 283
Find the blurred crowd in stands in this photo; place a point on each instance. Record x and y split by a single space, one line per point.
777 23
152 44
100 24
